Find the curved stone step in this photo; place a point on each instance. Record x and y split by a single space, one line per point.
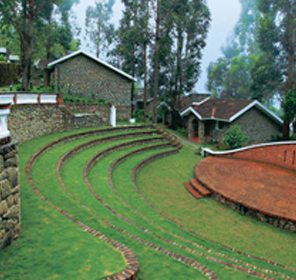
200 188
192 190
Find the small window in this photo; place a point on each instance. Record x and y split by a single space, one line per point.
219 125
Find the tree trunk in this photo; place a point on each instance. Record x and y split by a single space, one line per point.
26 35
156 66
145 83
145 66
98 40
291 65
286 129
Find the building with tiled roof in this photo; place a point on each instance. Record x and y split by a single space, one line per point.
84 75
212 117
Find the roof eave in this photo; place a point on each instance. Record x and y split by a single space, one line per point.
259 106
62 59
191 110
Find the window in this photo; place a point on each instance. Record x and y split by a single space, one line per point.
219 125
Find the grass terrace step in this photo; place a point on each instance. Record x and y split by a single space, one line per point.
164 248
100 186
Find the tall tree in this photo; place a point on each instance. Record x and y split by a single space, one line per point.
173 33
144 19
183 30
9 38
133 39
23 15
156 62
98 28
277 39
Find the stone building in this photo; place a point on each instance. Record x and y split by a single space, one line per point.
84 75
211 118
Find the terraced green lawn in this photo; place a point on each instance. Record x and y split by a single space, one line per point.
176 237
208 218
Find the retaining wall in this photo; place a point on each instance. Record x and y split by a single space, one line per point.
31 121
9 194
280 153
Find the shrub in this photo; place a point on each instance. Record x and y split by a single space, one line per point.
139 114
235 137
182 131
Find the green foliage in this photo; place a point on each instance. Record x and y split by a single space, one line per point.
276 36
8 74
289 106
181 40
235 137
182 131
266 78
3 58
230 76
139 113
98 27
68 97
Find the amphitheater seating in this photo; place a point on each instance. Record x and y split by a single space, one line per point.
107 207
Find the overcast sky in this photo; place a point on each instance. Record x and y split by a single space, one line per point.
225 14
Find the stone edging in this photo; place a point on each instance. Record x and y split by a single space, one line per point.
238 267
132 268
142 241
203 269
103 153
261 275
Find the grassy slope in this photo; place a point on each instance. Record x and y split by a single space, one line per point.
51 246
165 190
34 255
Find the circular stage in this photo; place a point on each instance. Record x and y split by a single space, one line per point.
266 188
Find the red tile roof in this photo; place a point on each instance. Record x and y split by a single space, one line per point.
222 109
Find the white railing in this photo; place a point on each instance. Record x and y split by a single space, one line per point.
17 98
207 151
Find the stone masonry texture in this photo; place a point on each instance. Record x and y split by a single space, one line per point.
85 77
27 122
10 223
256 125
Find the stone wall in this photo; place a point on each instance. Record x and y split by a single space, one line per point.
9 194
85 77
242 210
258 126
27 122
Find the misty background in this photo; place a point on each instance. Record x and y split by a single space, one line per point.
224 16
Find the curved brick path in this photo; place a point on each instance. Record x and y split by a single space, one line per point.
133 267
265 188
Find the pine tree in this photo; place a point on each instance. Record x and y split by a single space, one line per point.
277 39
230 76
98 28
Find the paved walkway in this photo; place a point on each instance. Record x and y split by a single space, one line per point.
184 140
266 188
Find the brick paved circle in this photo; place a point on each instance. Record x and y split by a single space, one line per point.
265 188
